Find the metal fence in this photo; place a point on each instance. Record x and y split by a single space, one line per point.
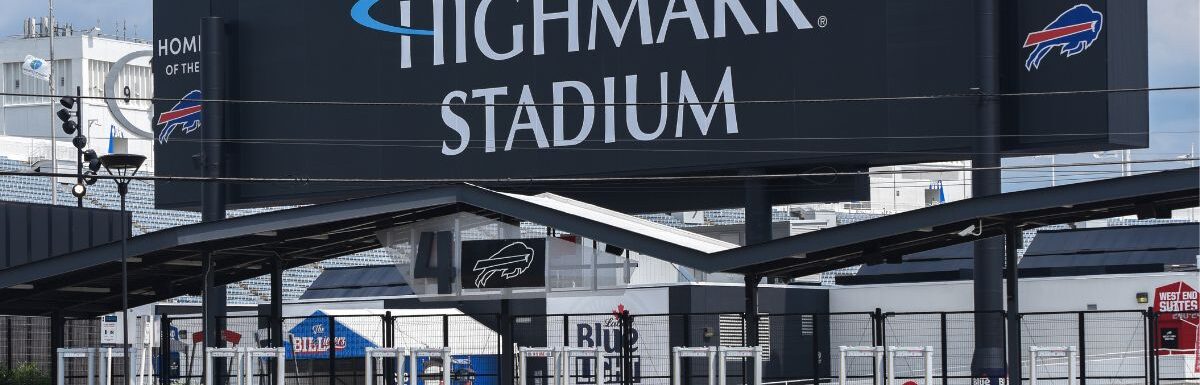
1115 347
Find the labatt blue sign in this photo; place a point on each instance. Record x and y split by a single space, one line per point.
499 89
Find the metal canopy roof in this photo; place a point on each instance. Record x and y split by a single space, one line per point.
166 263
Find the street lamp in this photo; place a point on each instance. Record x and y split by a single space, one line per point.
123 167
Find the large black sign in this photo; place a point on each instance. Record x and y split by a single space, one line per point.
503 263
537 88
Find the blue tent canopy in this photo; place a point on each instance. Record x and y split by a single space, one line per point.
310 339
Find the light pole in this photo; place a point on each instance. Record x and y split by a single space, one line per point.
124 167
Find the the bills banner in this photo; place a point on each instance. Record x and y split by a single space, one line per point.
503 89
36 68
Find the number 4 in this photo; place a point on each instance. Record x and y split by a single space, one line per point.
437 244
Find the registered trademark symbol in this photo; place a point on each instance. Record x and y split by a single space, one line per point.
822 21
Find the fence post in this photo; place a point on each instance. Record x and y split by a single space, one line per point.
389 364
879 339
446 337
626 347
566 330
332 351
8 336
1082 350
816 350
1153 331
945 347
164 355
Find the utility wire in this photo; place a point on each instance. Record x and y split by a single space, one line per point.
659 140
301 180
617 104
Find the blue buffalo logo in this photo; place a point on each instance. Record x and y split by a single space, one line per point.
185 114
35 65
1072 32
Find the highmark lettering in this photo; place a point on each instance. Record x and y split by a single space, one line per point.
677 19
527 116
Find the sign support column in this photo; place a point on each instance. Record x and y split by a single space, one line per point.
212 199
988 358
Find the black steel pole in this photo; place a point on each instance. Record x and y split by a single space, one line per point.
1012 237
56 340
758 230
164 356
988 359
78 150
277 302
123 188
1082 348
212 197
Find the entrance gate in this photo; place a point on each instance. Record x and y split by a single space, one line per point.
925 352
875 352
561 359
753 353
244 359
1068 352
373 354
414 369
679 352
92 355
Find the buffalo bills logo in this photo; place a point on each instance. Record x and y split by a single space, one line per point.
1072 32
510 262
184 114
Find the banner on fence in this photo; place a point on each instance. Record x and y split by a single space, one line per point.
312 337
648 336
1179 315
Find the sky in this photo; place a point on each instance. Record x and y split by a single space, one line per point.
1174 60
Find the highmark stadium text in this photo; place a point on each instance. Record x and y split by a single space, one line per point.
688 105
638 13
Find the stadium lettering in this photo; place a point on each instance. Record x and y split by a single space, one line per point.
177 46
680 19
527 119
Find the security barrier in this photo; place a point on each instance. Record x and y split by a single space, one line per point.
243 359
1068 352
414 355
679 352
89 354
561 357
373 354
845 352
925 352
754 353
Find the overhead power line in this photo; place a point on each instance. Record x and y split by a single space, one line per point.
620 104
300 180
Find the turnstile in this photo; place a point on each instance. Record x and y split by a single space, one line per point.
875 352
753 353
561 359
925 352
243 359
88 354
1071 354
415 355
373 354
100 364
678 353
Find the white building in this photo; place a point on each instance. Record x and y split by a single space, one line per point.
82 60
